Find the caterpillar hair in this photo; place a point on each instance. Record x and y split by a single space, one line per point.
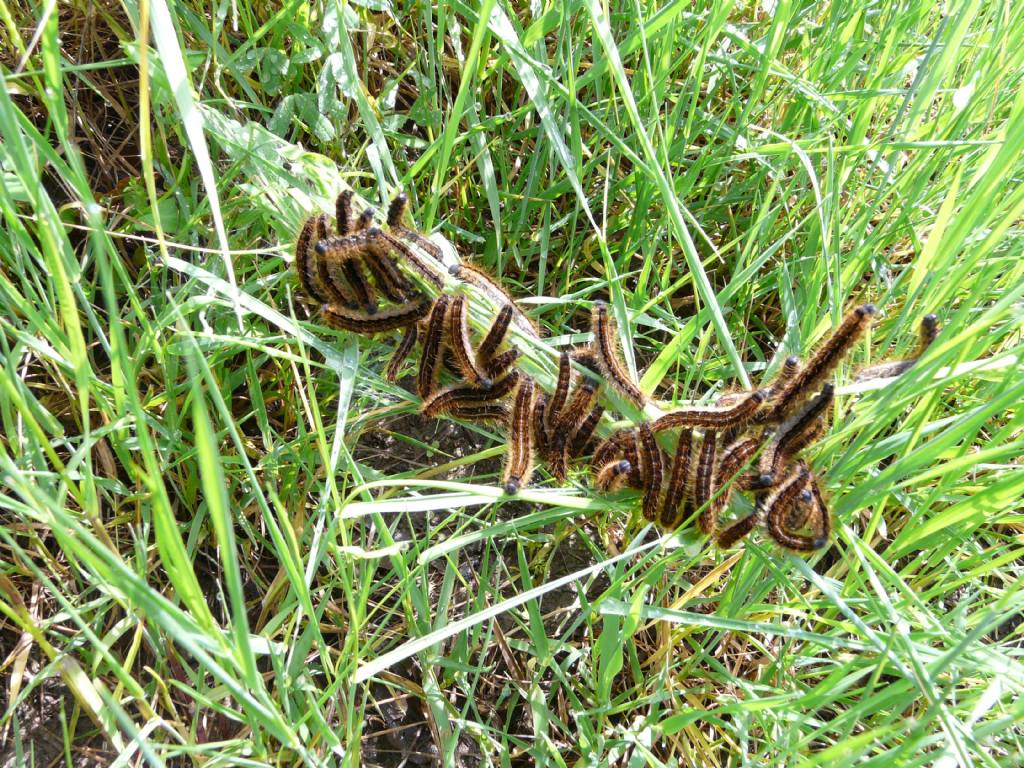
606 346
365 219
388 277
501 363
433 348
386 320
564 438
726 476
798 431
818 367
557 401
789 368
615 444
342 253
405 346
338 248
704 483
578 445
734 458
622 444
357 282
651 477
302 265
444 400
448 359
396 212
778 508
396 209
462 348
563 423
738 529
566 424
343 212
754 481
488 348
821 519
335 289
631 453
557 457
612 474
714 418
927 333
519 462
540 430
383 280
804 509
810 511
498 412
587 357
413 259
497 295
676 490
577 408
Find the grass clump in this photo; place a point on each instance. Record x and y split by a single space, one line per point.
226 540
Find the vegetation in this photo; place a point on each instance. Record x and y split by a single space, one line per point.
226 540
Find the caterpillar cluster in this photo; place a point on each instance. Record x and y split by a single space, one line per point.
749 442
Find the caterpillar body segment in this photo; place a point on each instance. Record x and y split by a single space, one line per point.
497 295
726 477
496 412
495 334
402 352
797 432
704 487
519 461
677 498
303 264
715 418
361 290
561 388
432 357
461 346
805 381
456 395
386 274
577 408
927 333
651 470
333 277
581 438
587 357
795 489
365 220
501 363
606 346
540 430
384 320
619 443
738 529
416 262
343 212
612 474
396 213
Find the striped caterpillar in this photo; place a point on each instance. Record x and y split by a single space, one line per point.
369 280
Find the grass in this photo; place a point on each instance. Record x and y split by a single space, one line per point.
227 541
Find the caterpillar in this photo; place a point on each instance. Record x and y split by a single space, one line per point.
362 278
